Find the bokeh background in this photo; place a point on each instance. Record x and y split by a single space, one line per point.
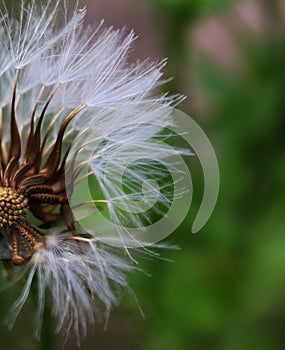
225 287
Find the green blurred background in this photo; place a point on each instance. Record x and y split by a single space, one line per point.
225 289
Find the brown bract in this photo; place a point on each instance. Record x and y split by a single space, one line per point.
29 184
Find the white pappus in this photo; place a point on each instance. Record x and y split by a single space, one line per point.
72 109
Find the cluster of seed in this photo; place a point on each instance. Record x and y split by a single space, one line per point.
13 206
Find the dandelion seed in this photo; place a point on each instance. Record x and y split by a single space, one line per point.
68 102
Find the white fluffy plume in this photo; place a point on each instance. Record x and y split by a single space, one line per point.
113 142
82 278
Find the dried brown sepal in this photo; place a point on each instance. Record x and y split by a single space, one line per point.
30 183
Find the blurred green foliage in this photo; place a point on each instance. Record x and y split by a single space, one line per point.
225 288
191 8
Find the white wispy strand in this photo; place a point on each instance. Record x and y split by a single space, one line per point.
30 38
119 124
80 276
114 141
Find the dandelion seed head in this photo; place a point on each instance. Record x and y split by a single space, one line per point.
73 109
